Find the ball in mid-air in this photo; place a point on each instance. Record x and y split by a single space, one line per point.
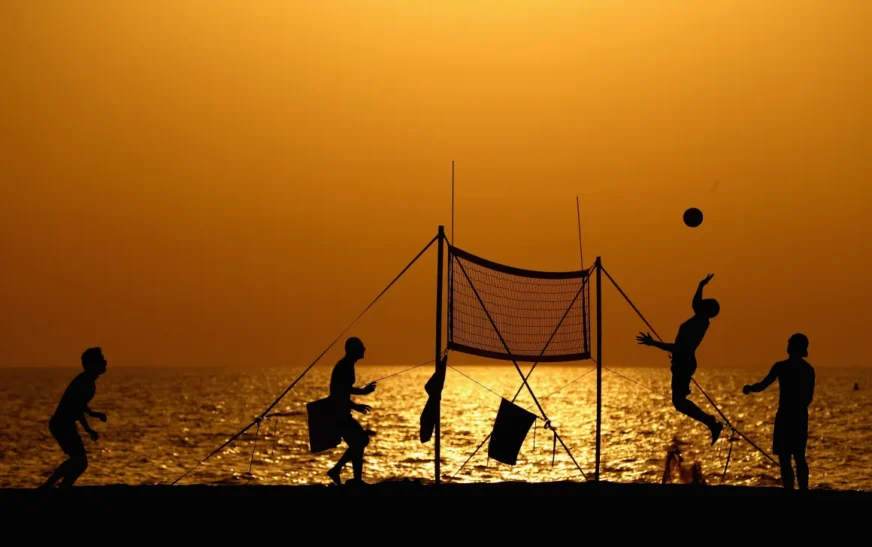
693 217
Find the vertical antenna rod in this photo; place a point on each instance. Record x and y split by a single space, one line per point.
578 214
453 239
584 309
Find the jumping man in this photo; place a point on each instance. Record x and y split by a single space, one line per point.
683 354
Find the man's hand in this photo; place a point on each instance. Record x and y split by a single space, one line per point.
370 387
705 281
746 390
645 339
363 409
100 416
94 435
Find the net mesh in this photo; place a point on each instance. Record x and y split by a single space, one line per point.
532 310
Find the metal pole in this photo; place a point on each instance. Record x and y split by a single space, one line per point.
439 260
599 364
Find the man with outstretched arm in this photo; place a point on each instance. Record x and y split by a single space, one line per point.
690 335
796 379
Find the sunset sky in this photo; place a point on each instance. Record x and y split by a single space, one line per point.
223 183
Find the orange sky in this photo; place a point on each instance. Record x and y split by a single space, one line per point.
232 182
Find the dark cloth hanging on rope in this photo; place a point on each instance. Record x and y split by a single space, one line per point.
510 429
433 387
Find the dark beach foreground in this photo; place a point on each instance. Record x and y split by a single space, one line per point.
13 496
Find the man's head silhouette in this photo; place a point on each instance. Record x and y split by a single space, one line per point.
93 361
709 308
354 348
797 345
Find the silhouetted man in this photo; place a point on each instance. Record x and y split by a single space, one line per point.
683 354
796 379
71 409
341 390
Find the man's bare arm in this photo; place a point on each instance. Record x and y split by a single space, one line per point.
363 409
697 296
99 415
664 346
763 384
645 339
84 423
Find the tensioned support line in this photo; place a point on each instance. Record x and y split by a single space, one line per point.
554 333
566 385
616 373
257 420
546 426
730 425
741 434
474 381
481 385
729 454
276 415
630 302
518 368
290 411
502 341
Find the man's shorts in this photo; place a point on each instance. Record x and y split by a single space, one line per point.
353 433
682 373
791 433
680 384
68 438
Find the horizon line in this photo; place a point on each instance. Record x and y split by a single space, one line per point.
568 364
